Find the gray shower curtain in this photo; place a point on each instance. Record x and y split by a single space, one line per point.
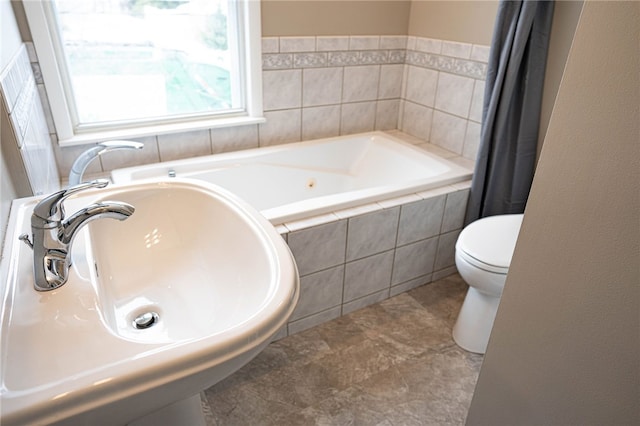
511 111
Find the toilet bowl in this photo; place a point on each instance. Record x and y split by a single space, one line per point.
483 255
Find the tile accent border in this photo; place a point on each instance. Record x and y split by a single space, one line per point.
456 66
274 61
316 52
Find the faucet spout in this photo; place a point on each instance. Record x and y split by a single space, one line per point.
53 234
108 209
83 160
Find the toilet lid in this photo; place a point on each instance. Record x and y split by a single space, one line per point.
489 242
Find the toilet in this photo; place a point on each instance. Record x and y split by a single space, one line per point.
483 255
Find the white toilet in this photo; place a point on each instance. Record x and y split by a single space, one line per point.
483 255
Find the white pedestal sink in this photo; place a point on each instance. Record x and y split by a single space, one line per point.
213 277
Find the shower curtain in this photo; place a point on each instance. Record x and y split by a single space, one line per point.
511 111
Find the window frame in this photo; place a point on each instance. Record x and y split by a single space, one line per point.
68 132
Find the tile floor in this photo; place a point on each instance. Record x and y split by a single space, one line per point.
392 363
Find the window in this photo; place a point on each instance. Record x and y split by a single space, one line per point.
115 68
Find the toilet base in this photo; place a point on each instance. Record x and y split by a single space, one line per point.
475 321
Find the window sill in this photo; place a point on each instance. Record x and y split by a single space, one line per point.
158 129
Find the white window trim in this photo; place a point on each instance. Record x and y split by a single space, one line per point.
249 11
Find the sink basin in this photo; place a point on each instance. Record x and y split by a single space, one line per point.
202 273
157 307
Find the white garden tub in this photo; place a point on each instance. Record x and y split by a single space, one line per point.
300 180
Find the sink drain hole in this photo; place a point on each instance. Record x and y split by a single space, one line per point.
145 320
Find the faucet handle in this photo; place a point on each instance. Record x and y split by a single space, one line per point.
50 209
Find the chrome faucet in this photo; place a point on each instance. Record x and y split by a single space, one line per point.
83 160
53 235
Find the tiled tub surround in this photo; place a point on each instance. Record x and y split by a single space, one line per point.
353 258
318 87
328 86
443 94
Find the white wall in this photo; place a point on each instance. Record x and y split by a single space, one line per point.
565 348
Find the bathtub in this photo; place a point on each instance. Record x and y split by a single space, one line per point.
300 180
